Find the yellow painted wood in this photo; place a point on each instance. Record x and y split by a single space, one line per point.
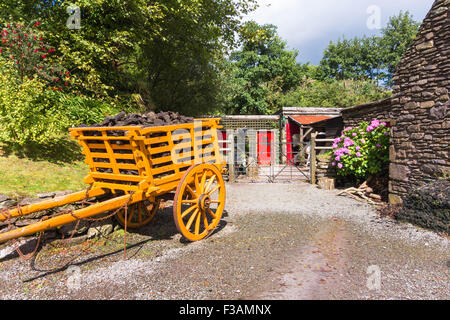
53 203
57 221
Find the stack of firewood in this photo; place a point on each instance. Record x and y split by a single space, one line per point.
363 193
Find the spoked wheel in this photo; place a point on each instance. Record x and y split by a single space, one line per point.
199 201
139 214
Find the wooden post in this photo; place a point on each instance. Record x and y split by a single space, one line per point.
312 164
302 136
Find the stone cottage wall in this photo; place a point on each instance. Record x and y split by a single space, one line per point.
419 109
420 137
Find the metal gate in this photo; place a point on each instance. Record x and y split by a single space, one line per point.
260 156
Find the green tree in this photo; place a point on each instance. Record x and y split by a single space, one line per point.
159 54
333 93
370 58
261 71
357 59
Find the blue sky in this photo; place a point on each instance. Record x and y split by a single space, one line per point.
309 25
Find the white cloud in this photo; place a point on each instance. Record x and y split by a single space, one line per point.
303 23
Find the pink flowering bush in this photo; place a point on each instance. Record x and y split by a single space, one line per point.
362 151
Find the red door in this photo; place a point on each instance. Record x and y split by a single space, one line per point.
265 139
222 135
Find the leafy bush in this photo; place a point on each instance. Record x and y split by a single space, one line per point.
25 111
362 151
34 119
79 110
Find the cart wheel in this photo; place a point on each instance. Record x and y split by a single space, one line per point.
199 201
139 214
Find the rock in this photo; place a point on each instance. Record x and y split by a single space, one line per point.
28 201
46 195
425 45
25 222
399 172
439 112
62 193
68 229
427 104
100 228
7 204
3 198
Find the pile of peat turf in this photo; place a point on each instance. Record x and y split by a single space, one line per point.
149 119
428 206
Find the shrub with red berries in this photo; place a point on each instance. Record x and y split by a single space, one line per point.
30 55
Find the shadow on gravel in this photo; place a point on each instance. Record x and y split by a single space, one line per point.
162 229
80 263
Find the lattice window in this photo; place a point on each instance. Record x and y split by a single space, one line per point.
256 124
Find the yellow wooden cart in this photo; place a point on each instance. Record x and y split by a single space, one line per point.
138 166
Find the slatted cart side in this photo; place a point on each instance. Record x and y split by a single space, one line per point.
116 161
173 149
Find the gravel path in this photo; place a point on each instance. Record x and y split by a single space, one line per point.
276 241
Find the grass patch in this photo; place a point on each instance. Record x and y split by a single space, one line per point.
24 177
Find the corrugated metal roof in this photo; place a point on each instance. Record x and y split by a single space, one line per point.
309 119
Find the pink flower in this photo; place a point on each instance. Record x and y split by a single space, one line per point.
375 123
340 165
333 164
338 158
378 145
357 148
43 56
358 154
348 143
362 141
354 134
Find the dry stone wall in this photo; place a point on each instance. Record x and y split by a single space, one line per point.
419 109
420 137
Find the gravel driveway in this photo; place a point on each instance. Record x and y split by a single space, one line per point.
276 241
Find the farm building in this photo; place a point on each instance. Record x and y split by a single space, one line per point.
418 110
299 123
278 138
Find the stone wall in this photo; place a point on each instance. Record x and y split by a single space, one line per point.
419 109
420 137
380 110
